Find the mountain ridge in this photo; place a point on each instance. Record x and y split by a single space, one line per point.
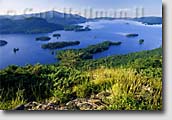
27 26
38 22
50 21
51 17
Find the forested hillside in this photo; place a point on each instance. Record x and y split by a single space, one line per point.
124 82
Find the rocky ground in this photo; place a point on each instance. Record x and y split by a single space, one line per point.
94 103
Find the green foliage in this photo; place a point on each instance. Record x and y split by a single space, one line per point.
120 60
71 57
151 66
100 47
10 104
130 90
134 80
29 79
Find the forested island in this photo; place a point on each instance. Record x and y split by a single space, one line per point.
56 45
86 53
132 35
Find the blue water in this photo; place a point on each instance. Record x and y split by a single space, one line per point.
31 52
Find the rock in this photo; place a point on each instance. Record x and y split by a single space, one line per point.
101 107
103 94
95 101
32 106
63 108
43 106
72 105
85 106
76 104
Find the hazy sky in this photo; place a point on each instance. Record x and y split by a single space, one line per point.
151 7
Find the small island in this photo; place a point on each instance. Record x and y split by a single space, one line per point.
3 42
56 35
87 28
57 45
15 50
72 27
77 28
132 35
44 38
141 41
93 49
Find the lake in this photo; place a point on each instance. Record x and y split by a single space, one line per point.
30 51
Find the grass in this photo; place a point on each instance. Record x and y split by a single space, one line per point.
11 104
129 89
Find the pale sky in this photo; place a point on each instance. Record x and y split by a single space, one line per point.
151 7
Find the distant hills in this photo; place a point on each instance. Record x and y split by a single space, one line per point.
28 25
50 21
38 23
51 17
145 20
149 20
63 18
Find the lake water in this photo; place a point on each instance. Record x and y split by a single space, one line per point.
31 52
